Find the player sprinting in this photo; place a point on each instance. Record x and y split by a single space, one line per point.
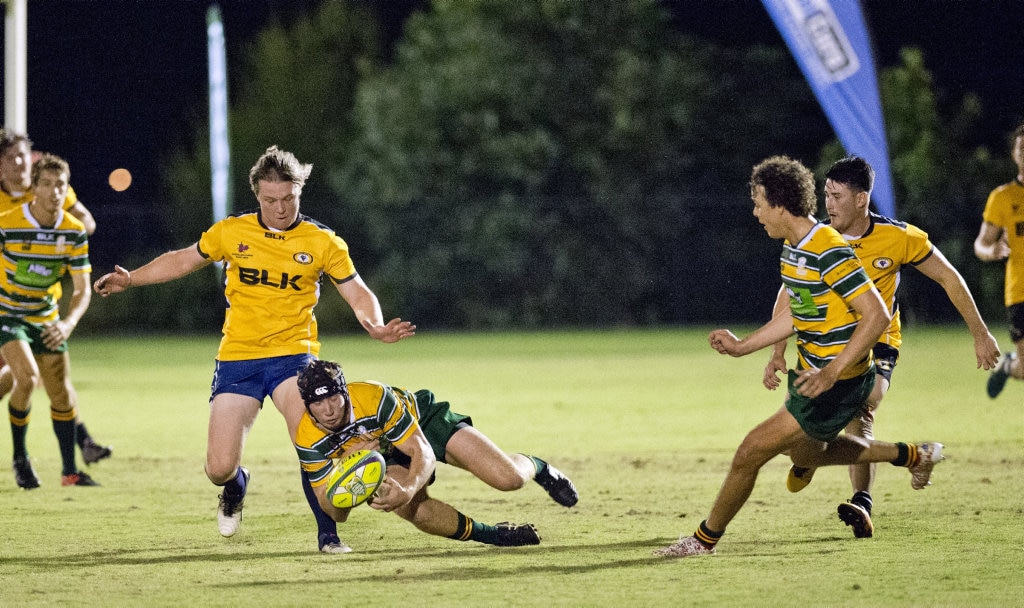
413 431
837 315
884 246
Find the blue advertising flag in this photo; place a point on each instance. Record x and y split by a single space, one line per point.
830 43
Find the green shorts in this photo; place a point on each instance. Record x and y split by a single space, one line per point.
825 416
13 328
438 424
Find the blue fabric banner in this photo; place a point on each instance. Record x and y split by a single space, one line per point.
830 43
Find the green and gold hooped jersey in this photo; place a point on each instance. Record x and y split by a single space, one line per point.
8 202
883 250
380 412
272 283
1005 208
822 275
35 258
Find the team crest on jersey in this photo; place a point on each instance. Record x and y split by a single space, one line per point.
303 258
242 252
882 263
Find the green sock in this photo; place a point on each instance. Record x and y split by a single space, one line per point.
467 529
483 533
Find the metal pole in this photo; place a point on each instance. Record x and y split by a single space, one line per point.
16 65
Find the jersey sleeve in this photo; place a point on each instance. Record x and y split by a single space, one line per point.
312 460
210 242
919 247
395 418
338 264
995 213
78 261
843 273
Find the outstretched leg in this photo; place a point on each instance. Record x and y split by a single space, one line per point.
473 451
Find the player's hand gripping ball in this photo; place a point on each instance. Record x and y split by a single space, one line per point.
354 480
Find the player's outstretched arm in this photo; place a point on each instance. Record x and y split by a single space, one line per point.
938 269
166 267
778 329
367 310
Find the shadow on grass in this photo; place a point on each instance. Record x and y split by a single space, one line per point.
639 552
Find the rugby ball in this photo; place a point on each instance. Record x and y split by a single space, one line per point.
353 481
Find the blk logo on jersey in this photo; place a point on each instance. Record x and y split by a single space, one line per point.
256 276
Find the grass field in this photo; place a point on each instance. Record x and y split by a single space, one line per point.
644 422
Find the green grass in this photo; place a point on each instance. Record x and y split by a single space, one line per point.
644 422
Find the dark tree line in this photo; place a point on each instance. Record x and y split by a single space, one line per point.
549 163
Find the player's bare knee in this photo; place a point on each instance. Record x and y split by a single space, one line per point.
220 473
509 481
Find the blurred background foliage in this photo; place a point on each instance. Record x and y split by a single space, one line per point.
543 164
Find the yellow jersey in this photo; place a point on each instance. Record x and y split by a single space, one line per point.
272 283
822 276
379 412
883 250
9 201
1005 208
34 260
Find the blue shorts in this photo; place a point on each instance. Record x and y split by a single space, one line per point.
256 378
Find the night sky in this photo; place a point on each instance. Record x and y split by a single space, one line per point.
123 84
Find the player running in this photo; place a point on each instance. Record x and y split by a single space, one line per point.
884 246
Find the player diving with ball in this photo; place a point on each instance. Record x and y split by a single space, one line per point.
413 431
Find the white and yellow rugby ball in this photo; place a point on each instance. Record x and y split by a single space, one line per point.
354 480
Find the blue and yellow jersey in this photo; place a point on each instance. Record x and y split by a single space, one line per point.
883 250
822 276
1005 208
380 412
8 202
272 283
35 258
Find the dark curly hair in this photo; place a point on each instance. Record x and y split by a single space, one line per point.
787 183
320 380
